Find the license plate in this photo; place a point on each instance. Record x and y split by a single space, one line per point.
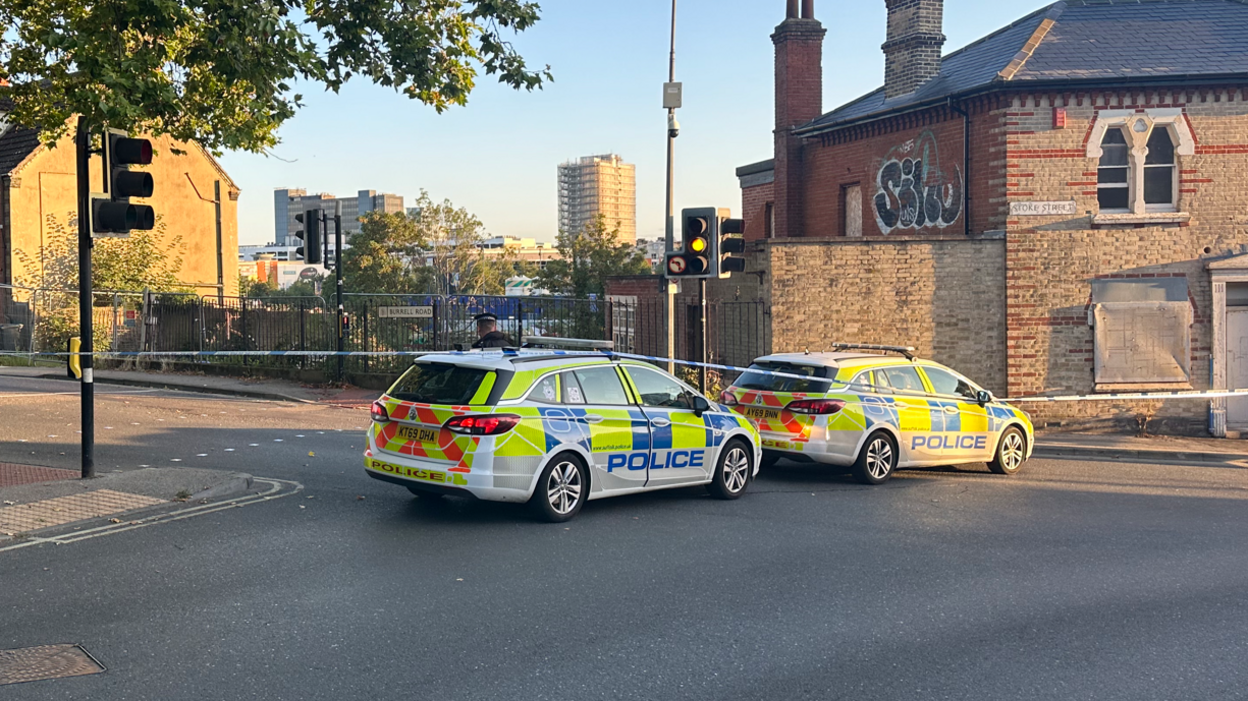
755 413
418 435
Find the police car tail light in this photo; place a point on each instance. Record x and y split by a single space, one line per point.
491 425
379 412
727 398
815 406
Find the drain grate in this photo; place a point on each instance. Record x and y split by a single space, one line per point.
32 664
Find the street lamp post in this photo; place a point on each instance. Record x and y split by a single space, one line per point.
671 100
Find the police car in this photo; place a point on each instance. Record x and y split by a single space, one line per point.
554 430
877 413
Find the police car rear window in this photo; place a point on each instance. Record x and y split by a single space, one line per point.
438 383
755 378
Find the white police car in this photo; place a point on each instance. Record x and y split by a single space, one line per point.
554 430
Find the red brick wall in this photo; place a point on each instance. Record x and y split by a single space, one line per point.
754 201
877 158
799 99
1051 261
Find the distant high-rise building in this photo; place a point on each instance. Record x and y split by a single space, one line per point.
599 185
289 202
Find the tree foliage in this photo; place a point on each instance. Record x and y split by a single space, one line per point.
589 257
221 72
383 255
147 260
437 252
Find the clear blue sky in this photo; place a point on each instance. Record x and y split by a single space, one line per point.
498 155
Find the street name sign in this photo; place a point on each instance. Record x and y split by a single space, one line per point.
416 312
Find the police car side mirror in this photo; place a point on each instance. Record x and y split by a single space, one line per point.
984 397
700 406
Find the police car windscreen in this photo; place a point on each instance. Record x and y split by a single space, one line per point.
768 382
438 383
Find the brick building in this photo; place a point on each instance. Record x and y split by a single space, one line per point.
1058 207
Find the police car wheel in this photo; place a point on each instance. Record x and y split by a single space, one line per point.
1011 452
732 474
561 490
877 460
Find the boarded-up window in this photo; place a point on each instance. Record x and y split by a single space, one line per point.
1143 342
851 209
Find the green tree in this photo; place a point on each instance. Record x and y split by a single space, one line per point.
453 259
146 260
221 72
383 256
588 258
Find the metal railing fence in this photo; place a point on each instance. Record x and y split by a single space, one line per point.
41 320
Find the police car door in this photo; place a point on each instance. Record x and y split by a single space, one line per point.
965 435
680 452
910 399
619 434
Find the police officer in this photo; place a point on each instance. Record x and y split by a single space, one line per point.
488 335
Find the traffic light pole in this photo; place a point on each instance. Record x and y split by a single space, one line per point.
85 325
338 278
706 338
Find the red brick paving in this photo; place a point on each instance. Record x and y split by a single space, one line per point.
12 475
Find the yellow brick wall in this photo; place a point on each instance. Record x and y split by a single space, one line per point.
944 297
45 186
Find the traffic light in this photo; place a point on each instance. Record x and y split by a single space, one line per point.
728 245
310 234
114 214
698 231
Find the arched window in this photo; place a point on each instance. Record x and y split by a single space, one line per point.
1113 174
1159 180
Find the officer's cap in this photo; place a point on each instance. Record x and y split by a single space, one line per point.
487 316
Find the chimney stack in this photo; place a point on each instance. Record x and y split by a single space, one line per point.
912 51
799 99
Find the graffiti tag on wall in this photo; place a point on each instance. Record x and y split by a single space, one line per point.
913 191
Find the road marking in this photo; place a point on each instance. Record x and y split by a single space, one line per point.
275 491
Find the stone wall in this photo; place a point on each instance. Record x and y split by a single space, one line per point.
944 297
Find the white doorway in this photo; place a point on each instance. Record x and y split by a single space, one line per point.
1237 366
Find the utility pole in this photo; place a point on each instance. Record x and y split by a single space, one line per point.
338 278
671 100
85 326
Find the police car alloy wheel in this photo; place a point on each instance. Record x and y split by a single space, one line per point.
1011 452
732 474
877 460
562 489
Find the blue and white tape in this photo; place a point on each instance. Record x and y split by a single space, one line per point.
1190 394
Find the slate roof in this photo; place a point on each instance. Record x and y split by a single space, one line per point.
15 145
1098 41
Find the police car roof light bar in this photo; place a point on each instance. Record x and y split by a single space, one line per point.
907 351
570 343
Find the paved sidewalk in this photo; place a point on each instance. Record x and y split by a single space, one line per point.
1050 444
62 499
270 389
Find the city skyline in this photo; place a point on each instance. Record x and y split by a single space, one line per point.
494 156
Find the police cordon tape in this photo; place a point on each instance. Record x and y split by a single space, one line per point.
1189 394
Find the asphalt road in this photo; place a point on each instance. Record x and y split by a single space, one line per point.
1073 580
